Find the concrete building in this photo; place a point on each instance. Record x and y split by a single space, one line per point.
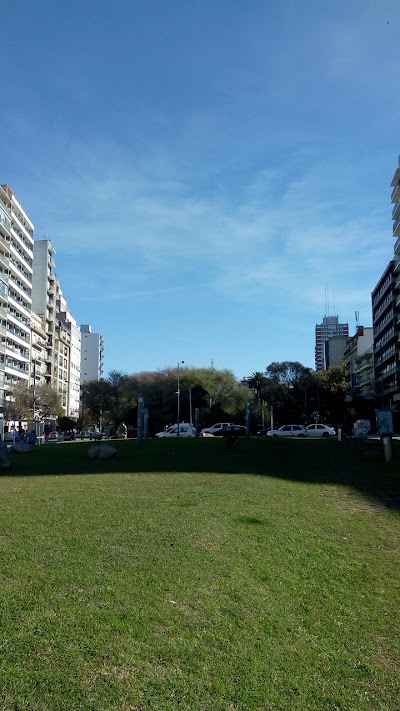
16 266
386 314
62 333
45 288
329 328
359 365
69 359
38 350
386 350
92 354
334 350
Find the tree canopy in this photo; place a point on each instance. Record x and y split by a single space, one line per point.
216 393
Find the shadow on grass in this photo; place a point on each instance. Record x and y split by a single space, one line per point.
327 461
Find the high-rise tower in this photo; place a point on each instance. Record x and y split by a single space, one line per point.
329 328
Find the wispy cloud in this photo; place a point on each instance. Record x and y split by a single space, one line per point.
275 232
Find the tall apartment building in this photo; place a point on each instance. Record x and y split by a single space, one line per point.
92 354
16 266
329 328
45 289
385 317
62 333
69 358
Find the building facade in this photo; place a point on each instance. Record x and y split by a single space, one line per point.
16 268
40 341
386 350
329 328
68 348
92 354
359 366
334 350
62 333
386 315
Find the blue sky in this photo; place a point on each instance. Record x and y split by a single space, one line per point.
214 176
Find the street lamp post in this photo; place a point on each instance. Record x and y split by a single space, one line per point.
34 394
178 394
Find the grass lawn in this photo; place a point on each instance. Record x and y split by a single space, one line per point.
184 576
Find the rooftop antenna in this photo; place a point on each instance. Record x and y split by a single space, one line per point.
357 317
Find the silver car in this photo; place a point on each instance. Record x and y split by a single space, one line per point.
319 430
288 431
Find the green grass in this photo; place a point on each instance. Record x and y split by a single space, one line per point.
184 576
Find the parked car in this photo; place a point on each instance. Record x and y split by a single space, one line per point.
319 430
288 431
185 430
216 428
231 430
263 432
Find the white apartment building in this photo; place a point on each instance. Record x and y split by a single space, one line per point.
16 266
69 359
92 354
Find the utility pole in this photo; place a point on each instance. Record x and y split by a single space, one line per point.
178 392
34 392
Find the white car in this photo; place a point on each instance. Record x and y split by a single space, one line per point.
215 429
319 430
288 431
185 430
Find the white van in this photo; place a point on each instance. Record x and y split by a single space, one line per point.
185 430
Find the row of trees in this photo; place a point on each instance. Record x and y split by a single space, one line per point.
293 392
299 394
216 393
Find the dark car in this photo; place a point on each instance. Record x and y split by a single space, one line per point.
263 432
237 430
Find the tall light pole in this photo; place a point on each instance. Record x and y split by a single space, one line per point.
178 394
34 393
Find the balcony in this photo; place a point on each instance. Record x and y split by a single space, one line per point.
19 255
396 211
19 305
20 273
13 316
22 372
395 196
396 231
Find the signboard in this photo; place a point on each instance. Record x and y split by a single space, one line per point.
384 421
